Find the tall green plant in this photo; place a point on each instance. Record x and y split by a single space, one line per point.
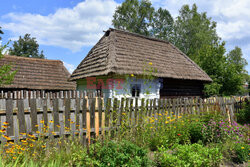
6 72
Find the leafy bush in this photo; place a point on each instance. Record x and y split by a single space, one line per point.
189 155
114 153
195 131
242 152
243 117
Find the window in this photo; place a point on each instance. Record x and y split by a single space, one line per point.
135 90
99 90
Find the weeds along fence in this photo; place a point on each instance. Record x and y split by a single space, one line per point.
90 117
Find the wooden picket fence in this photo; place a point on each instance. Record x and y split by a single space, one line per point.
89 117
30 94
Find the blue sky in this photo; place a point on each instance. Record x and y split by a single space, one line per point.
67 29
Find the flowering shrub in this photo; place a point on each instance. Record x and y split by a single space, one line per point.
219 131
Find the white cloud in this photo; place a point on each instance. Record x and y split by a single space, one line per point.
70 67
232 16
72 28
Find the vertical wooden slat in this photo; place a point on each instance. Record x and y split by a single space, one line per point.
33 115
114 116
67 114
100 111
147 107
45 112
142 111
154 108
136 111
92 117
56 114
84 121
126 110
20 116
131 111
122 113
9 117
77 114
107 112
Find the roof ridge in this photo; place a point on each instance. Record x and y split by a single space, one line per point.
139 35
31 58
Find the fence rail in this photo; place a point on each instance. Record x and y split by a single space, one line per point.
90 117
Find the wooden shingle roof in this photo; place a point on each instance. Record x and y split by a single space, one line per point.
38 74
122 52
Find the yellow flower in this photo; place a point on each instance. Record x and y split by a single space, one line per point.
5 123
132 75
150 63
166 122
43 146
58 126
42 121
7 137
14 157
5 126
242 147
51 121
36 125
31 145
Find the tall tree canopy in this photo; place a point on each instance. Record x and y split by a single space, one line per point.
6 72
162 25
193 30
26 47
134 16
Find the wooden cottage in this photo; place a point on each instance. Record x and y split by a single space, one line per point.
128 60
35 74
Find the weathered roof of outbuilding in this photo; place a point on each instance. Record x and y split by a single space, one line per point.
122 52
39 74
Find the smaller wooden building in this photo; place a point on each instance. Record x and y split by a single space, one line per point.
35 74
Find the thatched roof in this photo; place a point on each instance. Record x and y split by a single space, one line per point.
122 52
38 74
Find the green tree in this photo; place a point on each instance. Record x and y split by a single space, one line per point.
193 30
1 32
6 72
26 47
235 71
235 57
212 60
162 24
134 16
